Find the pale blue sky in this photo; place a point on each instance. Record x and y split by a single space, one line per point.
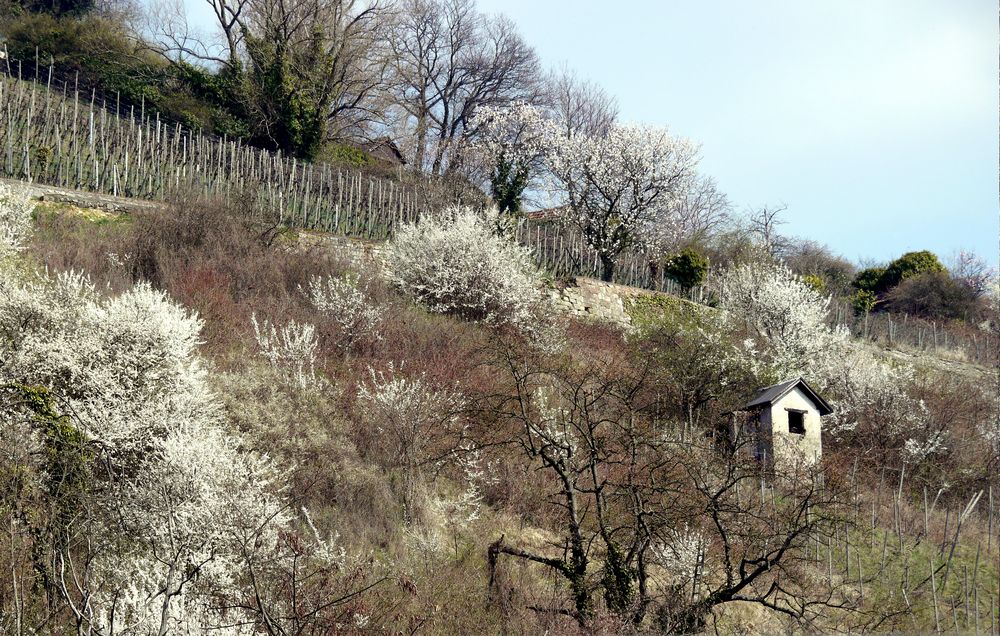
875 121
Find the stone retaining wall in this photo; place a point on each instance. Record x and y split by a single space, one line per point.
596 299
83 199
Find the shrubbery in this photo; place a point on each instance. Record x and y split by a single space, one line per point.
908 265
95 52
934 295
454 263
688 269
880 280
15 219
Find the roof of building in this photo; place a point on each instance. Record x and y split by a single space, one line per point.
385 149
771 394
547 214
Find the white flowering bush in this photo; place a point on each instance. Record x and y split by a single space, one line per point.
406 413
788 315
871 396
454 263
553 429
405 417
15 219
348 305
180 498
291 348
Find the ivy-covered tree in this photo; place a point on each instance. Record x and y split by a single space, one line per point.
511 143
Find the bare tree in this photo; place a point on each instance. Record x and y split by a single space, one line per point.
449 59
306 70
178 41
764 224
579 105
699 209
758 532
650 523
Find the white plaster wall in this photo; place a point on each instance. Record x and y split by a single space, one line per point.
791 447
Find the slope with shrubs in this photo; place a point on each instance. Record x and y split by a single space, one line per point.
325 447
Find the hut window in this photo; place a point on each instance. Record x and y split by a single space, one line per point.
797 422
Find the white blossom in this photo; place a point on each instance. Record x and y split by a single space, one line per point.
517 137
293 348
15 219
915 451
788 315
554 427
867 390
680 553
619 187
406 409
454 263
169 528
347 305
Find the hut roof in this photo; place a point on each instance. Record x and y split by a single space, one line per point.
771 394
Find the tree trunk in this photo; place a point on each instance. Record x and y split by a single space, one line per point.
607 268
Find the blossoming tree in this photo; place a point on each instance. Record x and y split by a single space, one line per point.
511 143
618 187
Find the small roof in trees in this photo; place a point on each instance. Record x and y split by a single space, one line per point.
771 394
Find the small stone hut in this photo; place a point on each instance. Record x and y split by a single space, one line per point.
785 421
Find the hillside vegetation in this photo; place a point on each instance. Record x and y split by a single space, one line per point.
271 440
214 423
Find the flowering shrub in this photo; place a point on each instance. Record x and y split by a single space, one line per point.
453 263
872 405
406 414
15 219
787 314
680 553
293 348
165 533
347 305
553 429
406 417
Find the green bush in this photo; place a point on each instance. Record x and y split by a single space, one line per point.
816 282
880 280
345 155
908 265
864 301
56 7
687 269
869 279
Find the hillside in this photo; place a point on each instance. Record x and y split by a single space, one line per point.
400 439
351 317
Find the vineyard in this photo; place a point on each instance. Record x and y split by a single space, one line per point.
54 134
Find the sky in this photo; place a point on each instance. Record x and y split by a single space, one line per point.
875 122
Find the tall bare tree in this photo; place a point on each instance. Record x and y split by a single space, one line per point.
579 105
449 59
